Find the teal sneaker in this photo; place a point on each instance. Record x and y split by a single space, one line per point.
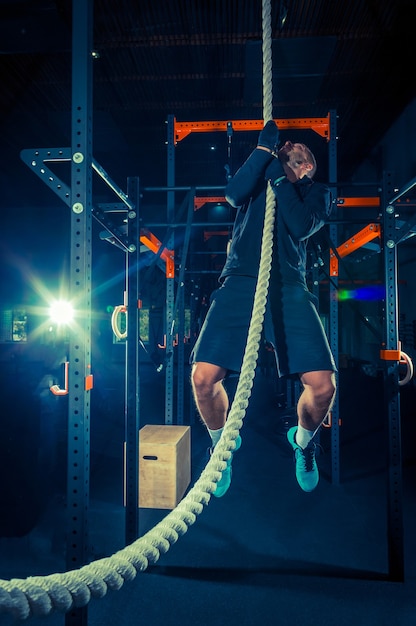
225 480
307 473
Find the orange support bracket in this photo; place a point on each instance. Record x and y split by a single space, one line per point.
201 200
56 389
366 234
391 355
327 423
320 125
152 242
175 342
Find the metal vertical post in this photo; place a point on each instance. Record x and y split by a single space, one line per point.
132 381
315 280
181 355
181 312
170 281
391 391
80 378
333 301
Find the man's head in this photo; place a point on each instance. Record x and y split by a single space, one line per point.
297 160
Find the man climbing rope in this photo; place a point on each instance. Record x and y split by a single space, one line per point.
301 346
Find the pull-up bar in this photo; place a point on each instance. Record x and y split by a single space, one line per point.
320 125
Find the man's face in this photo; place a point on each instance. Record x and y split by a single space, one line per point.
294 157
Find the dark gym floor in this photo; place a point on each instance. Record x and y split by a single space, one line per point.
266 553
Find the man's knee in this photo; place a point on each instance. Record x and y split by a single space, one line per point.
328 392
205 377
322 385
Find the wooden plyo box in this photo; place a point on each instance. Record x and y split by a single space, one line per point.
164 465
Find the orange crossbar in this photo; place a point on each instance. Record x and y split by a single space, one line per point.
152 242
366 234
358 202
215 233
341 202
201 200
319 125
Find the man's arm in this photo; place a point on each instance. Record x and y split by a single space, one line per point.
304 210
247 181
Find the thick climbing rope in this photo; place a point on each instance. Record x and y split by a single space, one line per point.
41 595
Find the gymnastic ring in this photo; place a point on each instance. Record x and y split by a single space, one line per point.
120 308
404 358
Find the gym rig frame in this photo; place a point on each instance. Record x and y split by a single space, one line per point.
78 197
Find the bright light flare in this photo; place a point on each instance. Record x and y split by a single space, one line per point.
61 312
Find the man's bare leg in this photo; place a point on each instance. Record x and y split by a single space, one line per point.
316 399
314 404
210 396
212 403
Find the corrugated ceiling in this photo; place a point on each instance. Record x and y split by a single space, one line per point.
201 60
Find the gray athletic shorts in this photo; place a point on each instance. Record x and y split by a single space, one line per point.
296 330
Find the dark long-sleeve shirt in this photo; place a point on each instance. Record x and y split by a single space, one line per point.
302 209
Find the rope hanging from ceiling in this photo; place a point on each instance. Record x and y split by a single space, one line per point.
41 595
